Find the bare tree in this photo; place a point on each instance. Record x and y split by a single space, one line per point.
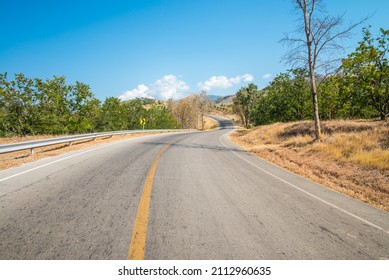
185 112
204 105
315 44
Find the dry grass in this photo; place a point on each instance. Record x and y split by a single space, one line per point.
367 148
209 123
352 157
18 158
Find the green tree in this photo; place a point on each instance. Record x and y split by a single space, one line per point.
112 116
244 101
285 99
262 108
299 93
277 96
339 98
368 70
290 92
53 105
330 98
159 117
134 111
84 108
17 100
4 122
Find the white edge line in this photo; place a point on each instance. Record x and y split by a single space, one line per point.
50 163
304 191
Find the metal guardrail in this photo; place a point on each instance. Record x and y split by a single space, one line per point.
31 145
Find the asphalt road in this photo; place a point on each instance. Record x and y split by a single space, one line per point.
209 200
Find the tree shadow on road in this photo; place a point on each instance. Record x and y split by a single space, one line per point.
195 146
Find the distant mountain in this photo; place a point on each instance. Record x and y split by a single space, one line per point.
214 97
225 100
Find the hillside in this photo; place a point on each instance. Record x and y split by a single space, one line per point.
214 97
352 158
225 100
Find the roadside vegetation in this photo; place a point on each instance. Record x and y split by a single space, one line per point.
352 157
358 89
32 106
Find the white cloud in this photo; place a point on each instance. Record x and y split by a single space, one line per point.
167 87
216 82
220 82
170 87
267 76
141 91
248 78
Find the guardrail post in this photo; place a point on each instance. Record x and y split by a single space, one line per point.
32 152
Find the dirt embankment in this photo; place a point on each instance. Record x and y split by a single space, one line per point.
352 158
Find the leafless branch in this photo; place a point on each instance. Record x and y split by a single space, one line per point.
325 33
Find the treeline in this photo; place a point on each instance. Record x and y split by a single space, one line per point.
35 106
359 89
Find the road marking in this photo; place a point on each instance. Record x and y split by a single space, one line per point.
138 239
50 163
304 191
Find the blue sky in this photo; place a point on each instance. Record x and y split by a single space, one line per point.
162 49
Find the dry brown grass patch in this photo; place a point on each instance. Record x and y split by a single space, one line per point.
209 123
352 157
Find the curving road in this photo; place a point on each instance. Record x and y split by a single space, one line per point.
208 200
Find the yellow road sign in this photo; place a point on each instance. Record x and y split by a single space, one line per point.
142 121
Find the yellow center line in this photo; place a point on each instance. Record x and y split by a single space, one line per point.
138 239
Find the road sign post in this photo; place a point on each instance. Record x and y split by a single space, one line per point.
142 121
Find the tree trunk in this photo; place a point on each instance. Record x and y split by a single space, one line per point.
316 112
383 116
315 103
311 64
